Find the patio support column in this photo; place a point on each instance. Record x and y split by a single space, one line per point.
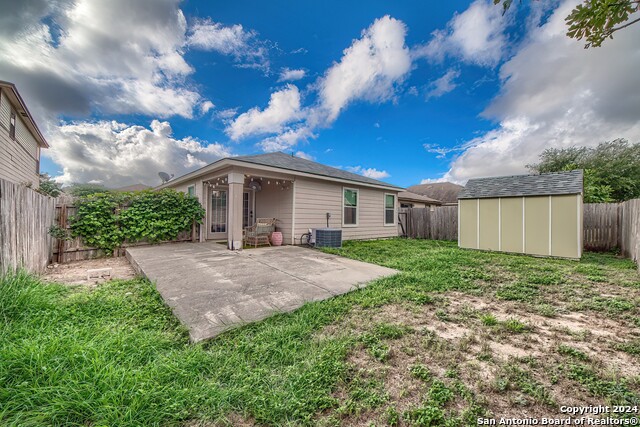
234 204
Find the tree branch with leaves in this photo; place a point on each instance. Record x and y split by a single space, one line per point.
596 20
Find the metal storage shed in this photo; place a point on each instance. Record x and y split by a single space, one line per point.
531 214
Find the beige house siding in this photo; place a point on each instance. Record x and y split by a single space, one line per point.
552 225
314 198
18 158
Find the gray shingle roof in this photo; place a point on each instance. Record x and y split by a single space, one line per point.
524 185
408 195
286 161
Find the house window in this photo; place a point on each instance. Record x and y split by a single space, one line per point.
350 205
191 190
12 125
389 209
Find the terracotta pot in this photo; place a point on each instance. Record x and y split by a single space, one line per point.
276 238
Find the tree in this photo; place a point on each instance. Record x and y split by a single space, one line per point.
83 190
596 20
48 186
611 170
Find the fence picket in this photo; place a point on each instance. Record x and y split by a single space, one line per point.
25 219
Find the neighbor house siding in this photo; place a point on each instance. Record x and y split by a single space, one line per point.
314 198
18 158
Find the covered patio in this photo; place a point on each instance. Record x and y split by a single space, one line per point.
235 199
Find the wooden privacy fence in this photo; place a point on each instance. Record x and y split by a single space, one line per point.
437 223
25 219
613 225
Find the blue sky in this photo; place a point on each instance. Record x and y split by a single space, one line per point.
406 92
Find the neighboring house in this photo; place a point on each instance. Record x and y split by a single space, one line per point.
133 187
20 139
407 199
445 192
531 214
299 193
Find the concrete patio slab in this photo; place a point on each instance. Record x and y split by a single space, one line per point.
211 289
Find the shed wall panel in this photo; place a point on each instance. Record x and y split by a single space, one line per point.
489 225
468 223
511 226
564 226
537 225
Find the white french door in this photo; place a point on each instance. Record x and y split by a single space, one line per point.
218 214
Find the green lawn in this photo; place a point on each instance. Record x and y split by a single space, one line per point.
456 335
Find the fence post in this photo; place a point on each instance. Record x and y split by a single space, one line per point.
62 223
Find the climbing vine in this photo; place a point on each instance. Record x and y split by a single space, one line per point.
107 220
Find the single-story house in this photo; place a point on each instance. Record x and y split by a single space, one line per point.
445 192
530 214
300 194
20 139
407 199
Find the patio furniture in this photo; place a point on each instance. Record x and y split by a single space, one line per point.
260 232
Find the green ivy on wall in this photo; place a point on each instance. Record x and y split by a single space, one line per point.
107 220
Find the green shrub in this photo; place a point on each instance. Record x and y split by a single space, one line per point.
107 220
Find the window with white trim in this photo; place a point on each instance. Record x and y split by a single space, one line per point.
389 209
350 206
12 125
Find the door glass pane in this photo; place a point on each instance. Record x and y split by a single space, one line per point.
245 210
219 212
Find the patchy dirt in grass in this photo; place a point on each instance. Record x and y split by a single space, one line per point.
75 273
503 354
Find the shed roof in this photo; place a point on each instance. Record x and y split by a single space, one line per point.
545 184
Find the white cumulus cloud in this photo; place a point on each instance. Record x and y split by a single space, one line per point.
370 70
288 74
283 108
243 45
119 154
556 94
114 57
368 172
476 36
